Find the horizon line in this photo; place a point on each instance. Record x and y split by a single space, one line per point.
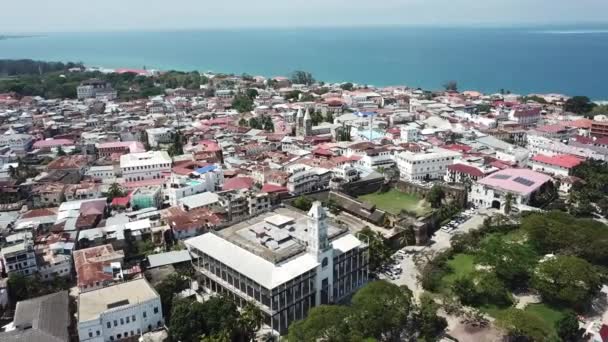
520 25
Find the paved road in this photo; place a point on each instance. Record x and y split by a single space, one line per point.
439 241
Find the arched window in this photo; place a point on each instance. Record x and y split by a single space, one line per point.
324 262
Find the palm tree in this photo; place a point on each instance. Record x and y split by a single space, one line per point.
250 321
115 190
508 203
405 239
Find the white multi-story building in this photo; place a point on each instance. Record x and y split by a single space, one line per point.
160 135
94 88
425 165
18 143
20 258
308 180
284 261
558 165
346 172
182 186
521 184
409 133
106 173
121 311
207 200
146 165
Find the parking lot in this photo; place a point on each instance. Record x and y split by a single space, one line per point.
402 270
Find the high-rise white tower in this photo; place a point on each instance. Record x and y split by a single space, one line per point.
317 229
319 247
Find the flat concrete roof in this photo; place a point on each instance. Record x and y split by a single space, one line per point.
93 303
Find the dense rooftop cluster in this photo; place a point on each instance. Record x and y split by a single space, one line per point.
90 186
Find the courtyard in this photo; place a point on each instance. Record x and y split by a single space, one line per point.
394 201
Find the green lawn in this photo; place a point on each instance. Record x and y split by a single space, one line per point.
461 265
393 201
547 313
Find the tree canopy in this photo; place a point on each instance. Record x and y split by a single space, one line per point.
302 77
567 280
560 233
242 103
379 252
451 86
435 196
524 326
168 288
512 262
380 311
579 105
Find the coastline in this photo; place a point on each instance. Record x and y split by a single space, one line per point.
487 60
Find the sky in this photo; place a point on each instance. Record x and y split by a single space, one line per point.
24 16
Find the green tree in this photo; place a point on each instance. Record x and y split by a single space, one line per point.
115 191
188 321
508 203
268 126
177 147
601 109
242 103
568 328
384 311
168 288
252 93
143 138
379 252
221 314
323 323
249 322
561 233
567 280
451 86
524 326
243 122
303 203
60 152
302 77
464 288
579 105
492 289
512 262
347 86
435 196
430 325
329 117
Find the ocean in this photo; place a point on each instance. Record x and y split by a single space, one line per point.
572 61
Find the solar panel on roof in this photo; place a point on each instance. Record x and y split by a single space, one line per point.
501 176
523 181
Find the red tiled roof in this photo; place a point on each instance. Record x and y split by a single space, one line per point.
458 147
527 111
322 152
583 140
40 212
564 160
551 128
272 188
467 169
580 123
89 263
53 143
601 141
238 183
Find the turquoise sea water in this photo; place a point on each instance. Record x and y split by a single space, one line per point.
523 60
